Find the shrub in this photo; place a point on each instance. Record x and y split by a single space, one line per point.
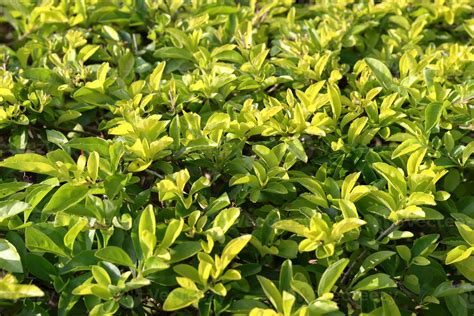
237 157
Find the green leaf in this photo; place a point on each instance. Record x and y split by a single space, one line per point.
381 72
404 252
348 208
111 33
389 306
115 255
11 208
466 267
67 116
467 152
8 188
286 276
36 240
457 305
272 292
172 232
90 144
420 261
10 290
291 226
36 193
110 307
271 160
420 198
218 204
226 218
288 302
331 275
184 251
304 289
460 253
394 176
407 146
372 260
93 165
100 275
423 244
9 257
173 53
155 76
448 288
191 274
295 147
335 100
466 232
232 249
30 163
126 64
375 282
345 225
414 161
433 113
100 291
86 52
180 298
146 231
153 264
356 128
56 137
74 231
67 195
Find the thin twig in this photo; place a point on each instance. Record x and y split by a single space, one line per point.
154 173
382 235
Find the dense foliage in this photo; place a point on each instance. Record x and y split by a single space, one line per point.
239 157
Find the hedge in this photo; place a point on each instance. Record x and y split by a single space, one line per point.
220 157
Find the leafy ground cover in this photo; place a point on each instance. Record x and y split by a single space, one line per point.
236 157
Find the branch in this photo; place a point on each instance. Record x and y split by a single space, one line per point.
382 235
154 173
